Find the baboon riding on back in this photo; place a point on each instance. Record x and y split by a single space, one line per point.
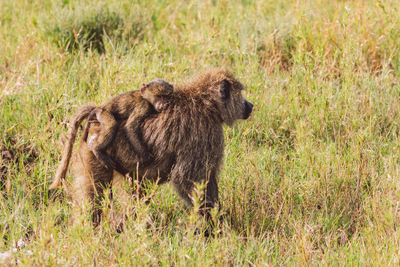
186 140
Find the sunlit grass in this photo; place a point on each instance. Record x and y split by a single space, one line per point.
311 178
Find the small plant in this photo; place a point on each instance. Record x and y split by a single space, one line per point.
277 50
87 28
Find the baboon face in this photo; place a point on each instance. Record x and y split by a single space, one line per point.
157 92
234 106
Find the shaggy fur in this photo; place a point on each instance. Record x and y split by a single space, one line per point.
186 140
131 107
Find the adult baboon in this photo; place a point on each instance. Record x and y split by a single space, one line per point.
186 140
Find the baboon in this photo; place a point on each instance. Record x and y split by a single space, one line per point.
126 106
186 139
130 106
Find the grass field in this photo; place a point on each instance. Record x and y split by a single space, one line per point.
312 178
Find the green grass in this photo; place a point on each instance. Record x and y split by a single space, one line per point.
312 178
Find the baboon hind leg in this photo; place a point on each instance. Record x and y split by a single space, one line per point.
90 180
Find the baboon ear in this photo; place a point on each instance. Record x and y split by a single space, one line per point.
143 89
225 89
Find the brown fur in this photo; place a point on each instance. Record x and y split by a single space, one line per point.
186 139
130 107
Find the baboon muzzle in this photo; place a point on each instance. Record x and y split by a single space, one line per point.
248 108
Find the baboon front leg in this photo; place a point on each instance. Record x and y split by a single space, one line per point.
100 142
135 136
184 187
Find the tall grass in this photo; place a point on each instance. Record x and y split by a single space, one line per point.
312 178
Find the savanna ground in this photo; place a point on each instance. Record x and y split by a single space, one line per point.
311 178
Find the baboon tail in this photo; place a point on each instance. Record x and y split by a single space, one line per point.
70 140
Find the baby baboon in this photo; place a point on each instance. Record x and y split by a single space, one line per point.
186 139
127 107
130 107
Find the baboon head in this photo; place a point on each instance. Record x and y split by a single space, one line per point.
231 104
157 92
224 90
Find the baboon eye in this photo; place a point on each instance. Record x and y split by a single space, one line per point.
225 89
